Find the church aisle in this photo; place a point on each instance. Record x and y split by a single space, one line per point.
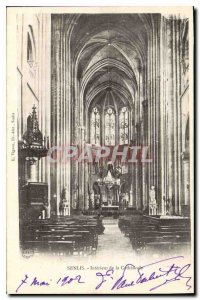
113 242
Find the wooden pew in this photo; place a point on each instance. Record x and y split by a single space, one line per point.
148 232
46 235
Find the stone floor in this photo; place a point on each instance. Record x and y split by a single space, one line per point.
113 242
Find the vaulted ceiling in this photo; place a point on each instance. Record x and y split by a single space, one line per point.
109 52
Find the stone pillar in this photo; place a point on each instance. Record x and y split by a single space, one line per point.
131 197
61 96
145 143
163 116
150 109
55 95
186 169
170 115
138 171
46 101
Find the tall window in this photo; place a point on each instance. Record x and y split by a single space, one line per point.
29 49
109 127
95 127
123 126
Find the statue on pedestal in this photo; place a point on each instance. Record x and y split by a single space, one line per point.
96 201
152 202
97 195
75 198
64 205
167 206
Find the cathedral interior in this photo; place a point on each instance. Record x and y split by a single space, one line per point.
119 81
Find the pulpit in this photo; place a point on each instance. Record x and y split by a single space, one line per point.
33 195
34 200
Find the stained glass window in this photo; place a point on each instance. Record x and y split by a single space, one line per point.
123 126
95 127
109 127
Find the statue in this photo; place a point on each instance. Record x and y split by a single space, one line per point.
97 195
45 213
167 206
96 188
75 198
64 205
152 202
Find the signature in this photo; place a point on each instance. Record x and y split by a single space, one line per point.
165 271
162 272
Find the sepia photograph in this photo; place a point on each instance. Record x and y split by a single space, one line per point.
100 150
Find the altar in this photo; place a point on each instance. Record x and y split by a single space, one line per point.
110 190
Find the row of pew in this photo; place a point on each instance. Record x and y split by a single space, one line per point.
63 235
156 235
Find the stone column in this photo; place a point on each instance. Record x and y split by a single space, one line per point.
145 143
150 110
136 166
62 98
163 116
131 196
46 100
171 164
170 111
186 169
